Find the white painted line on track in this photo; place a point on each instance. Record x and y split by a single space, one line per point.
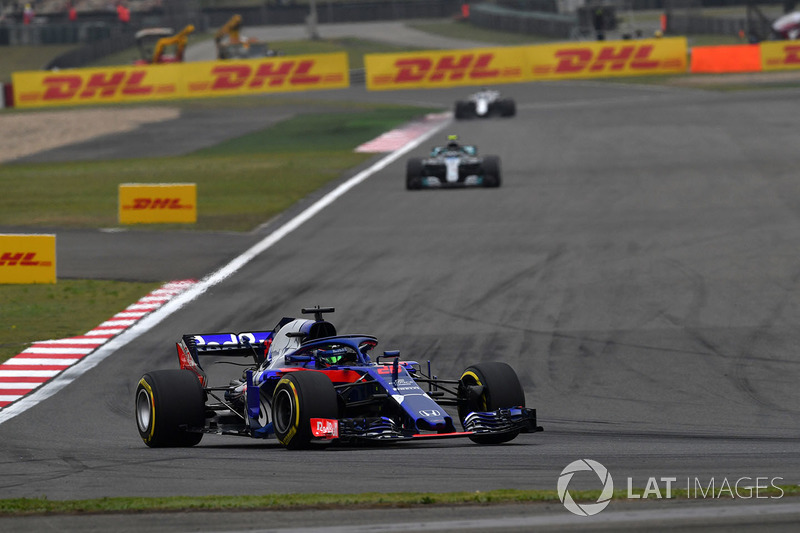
684 516
56 351
41 361
72 340
25 374
153 319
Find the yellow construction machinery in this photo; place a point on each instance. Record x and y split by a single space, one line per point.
154 43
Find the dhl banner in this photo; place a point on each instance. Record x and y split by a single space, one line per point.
27 258
485 66
154 203
780 55
607 58
95 85
412 70
181 80
275 74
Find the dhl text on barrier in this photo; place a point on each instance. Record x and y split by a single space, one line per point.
181 80
27 258
412 70
607 58
154 203
488 66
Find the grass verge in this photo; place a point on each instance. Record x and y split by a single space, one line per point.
70 307
241 183
274 502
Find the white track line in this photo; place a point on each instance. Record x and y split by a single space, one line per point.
153 319
729 516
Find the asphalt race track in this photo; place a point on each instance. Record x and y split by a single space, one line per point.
638 268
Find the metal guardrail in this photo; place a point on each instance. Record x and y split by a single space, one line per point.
530 22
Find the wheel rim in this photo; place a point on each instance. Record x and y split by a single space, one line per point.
283 411
469 380
144 411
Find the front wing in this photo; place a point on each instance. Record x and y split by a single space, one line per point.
477 423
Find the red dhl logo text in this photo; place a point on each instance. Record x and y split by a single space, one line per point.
22 259
446 68
265 74
791 55
99 85
157 203
609 58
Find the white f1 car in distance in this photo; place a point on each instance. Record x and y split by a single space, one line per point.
485 103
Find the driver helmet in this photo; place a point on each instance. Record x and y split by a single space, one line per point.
452 142
333 357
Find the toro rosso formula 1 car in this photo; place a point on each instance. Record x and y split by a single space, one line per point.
309 386
453 165
485 103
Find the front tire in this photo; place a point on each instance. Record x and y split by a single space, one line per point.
488 387
414 174
299 397
167 403
491 171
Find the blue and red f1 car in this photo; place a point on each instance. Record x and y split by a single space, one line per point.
310 386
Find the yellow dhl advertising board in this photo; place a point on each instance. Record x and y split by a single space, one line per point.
607 58
181 80
272 74
487 66
780 55
451 68
96 85
27 258
156 203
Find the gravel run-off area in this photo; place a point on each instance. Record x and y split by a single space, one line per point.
27 133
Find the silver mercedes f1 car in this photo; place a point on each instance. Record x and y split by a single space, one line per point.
453 165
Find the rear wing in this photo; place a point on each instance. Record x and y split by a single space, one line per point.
253 344
228 344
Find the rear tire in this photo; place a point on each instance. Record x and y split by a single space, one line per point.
299 397
168 402
509 108
491 171
499 388
414 174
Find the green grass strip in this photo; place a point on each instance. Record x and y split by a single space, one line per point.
54 311
29 506
241 182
